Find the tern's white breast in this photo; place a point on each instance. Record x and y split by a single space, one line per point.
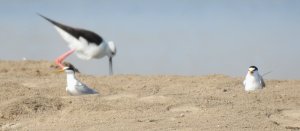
252 83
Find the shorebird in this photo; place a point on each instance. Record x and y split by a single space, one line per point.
253 80
86 44
74 86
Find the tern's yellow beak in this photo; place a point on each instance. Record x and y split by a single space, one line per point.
59 71
251 70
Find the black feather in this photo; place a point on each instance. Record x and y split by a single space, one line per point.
254 67
90 36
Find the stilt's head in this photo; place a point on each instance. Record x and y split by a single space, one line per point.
252 69
112 51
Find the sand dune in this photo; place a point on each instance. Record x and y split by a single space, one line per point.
33 97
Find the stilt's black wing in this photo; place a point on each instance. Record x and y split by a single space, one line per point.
90 36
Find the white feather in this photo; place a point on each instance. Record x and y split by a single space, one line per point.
73 42
75 87
84 50
253 81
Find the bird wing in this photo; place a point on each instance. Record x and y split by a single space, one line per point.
85 89
90 36
262 82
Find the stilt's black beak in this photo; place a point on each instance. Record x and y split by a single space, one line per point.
110 66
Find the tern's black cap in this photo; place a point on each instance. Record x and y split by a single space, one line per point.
254 67
69 66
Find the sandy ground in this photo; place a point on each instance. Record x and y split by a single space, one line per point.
33 97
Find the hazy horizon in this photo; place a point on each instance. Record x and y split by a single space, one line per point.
192 37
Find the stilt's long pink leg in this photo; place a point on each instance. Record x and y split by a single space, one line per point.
59 59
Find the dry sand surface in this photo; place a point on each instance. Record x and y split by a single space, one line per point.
33 97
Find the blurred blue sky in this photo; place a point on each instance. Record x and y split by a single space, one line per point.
178 37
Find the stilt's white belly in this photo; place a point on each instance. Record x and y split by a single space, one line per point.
84 50
91 51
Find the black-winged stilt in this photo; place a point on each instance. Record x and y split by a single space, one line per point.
86 44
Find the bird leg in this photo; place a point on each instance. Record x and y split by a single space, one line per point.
59 59
110 66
